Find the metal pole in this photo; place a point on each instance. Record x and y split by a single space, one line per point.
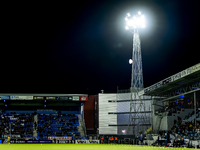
152 112
195 110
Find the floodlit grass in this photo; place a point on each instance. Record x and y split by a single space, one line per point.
80 147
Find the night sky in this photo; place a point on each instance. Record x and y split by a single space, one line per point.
82 47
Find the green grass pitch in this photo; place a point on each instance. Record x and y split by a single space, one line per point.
80 147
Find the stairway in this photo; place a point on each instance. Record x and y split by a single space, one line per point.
35 131
81 126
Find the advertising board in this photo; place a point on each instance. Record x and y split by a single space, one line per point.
50 97
60 138
21 97
38 141
5 97
75 98
65 141
83 98
69 98
87 141
38 97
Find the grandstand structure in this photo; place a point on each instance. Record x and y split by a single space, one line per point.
176 105
42 116
182 87
171 105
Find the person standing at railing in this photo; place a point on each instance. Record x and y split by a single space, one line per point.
141 139
159 140
165 139
116 140
102 140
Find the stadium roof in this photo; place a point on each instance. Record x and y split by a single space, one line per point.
188 77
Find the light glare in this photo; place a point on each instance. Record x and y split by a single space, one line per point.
137 21
130 61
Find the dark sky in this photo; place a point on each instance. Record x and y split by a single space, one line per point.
83 47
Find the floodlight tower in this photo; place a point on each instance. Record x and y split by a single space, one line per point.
137 116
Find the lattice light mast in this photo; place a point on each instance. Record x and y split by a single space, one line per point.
133 24
137 116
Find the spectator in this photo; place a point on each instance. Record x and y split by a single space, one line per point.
136 140
182 141
141 139
116 141
159 140
166 139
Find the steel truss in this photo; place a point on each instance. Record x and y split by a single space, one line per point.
137 117
182 91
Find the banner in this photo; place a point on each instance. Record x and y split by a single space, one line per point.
171 79
17 141
196 68
21 97
75 98
37 97
5 141
5 97
65 98
50 97
64 141
39 141
60 138
12 136
83 98
87 141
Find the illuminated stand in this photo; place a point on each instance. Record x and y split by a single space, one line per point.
137 117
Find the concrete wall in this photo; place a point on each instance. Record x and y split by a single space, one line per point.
106 119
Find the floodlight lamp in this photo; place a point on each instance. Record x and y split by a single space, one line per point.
139 13
130 61
137 21
128 15
126 27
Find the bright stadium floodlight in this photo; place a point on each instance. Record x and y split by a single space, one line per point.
137 21
126 27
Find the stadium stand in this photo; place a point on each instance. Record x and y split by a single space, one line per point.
19 124
57 125
48 125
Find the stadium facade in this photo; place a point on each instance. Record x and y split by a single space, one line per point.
114 109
